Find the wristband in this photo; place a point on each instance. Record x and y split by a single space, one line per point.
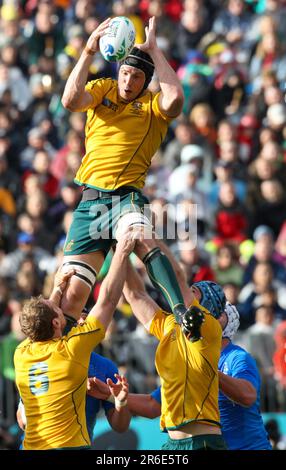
111 399
119 403
89 51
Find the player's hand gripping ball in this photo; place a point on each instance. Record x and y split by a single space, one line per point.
117 43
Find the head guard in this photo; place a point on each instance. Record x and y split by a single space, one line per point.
213 297
140 60
232 321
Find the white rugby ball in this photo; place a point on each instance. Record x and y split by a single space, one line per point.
117 43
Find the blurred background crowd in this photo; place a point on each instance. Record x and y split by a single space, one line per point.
226 154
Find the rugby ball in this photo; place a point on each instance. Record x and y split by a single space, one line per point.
117 43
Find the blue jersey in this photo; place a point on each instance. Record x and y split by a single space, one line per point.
242 427
156 394
101 368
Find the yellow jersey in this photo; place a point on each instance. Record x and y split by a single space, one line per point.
121 138
188 371
51 378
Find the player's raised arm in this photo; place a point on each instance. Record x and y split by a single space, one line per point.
139 404
143 306
111 288
75 98
171 97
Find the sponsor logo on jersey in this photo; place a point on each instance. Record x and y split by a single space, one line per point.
136 108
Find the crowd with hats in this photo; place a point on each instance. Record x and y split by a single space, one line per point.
225 156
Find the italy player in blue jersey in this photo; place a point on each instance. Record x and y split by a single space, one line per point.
105 369
239 396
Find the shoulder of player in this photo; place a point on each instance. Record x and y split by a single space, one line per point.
160 313
91 325
106 83
236 354
159 318
149 96
22 345
209 318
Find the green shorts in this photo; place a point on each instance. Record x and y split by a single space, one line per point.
201 442
94 222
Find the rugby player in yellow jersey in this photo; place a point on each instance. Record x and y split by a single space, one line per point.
126 124
188 369
51 369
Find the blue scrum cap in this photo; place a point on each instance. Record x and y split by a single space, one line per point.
213 297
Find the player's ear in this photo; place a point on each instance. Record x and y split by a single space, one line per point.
56 322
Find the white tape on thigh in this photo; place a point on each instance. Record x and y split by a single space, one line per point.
84 271
134 219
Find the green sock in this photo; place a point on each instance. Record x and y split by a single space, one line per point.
162 275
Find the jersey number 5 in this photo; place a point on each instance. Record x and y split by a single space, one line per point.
38 379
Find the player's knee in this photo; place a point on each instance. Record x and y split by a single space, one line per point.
74 300
138 222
